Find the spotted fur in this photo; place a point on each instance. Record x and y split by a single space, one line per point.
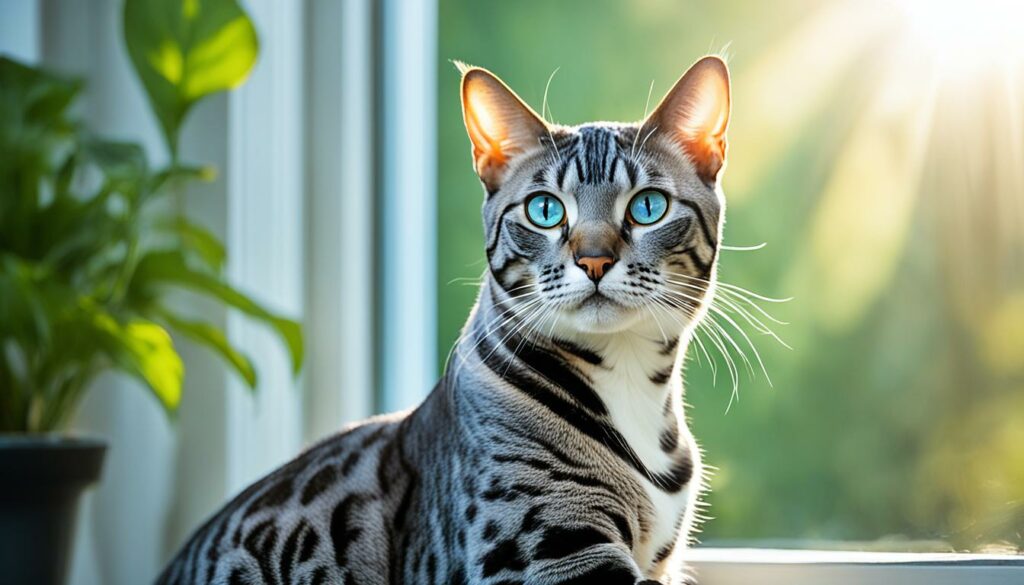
554 449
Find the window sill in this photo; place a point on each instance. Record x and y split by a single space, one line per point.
742 566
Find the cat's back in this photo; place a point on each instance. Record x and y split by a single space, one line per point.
299 523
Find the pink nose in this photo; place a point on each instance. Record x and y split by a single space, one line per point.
595 266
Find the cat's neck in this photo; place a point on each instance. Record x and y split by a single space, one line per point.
635 371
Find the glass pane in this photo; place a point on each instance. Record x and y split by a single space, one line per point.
876 147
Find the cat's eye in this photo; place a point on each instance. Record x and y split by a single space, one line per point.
647 207
544 210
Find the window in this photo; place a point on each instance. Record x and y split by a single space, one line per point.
869 149
875 148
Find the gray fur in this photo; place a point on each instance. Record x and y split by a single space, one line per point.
521 466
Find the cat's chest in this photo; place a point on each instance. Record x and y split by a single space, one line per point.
643 415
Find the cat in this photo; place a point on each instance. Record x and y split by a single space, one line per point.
554 449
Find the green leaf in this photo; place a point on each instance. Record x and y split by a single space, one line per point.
35 96
198 239
170 267
145 350
204 173
184 50
215 339
123 163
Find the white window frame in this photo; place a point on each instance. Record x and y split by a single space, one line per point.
340 264
265 198
764 566
407 359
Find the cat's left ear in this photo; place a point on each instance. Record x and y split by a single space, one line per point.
500 125
695 113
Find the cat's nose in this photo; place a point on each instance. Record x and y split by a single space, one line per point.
595 266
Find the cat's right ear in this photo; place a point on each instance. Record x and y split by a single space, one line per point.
500 125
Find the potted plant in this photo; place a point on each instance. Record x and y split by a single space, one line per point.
91 240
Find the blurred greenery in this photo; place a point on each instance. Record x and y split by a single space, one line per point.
891 197
184 50
90 242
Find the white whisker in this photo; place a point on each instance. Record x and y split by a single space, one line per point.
743 248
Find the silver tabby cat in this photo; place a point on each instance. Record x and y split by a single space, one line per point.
554 449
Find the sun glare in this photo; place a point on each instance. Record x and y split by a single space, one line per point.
960 32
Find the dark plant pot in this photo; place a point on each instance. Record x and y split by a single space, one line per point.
42 479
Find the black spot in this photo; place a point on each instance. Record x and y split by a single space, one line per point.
471 513
662 376
505 555
276 495
670 347
341 535
530 520
458 577
668 440
530 490
319 576
376 435
664 552
260 544
540 177
490 531
559 542
677 476
468 485
291 545
236 577
496 493
609 573
320 481
256 540
309 544
350 462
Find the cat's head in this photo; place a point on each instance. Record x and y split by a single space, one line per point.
603 227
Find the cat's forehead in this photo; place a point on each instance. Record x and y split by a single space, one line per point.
592 155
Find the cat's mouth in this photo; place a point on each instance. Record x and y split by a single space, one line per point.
600 313
597 299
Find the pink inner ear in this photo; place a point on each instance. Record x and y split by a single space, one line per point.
708 155
700 117
486 141
696 114
499 124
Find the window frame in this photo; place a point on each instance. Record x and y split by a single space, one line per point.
765 566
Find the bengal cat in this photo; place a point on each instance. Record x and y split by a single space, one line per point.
554 449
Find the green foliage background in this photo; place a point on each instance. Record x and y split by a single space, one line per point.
93 239
899 414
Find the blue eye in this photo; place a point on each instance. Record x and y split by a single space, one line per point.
647 207
545 210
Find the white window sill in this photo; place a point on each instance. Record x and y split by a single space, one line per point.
747 566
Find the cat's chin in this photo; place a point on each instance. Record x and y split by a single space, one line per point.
599 314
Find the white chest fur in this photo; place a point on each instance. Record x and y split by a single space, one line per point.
637 407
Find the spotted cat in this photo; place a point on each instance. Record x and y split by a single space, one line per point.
554 449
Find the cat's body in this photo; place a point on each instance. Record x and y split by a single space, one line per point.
554 449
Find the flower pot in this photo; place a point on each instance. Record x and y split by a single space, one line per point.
42 479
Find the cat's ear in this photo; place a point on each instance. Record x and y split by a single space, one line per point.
500 125
695 113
